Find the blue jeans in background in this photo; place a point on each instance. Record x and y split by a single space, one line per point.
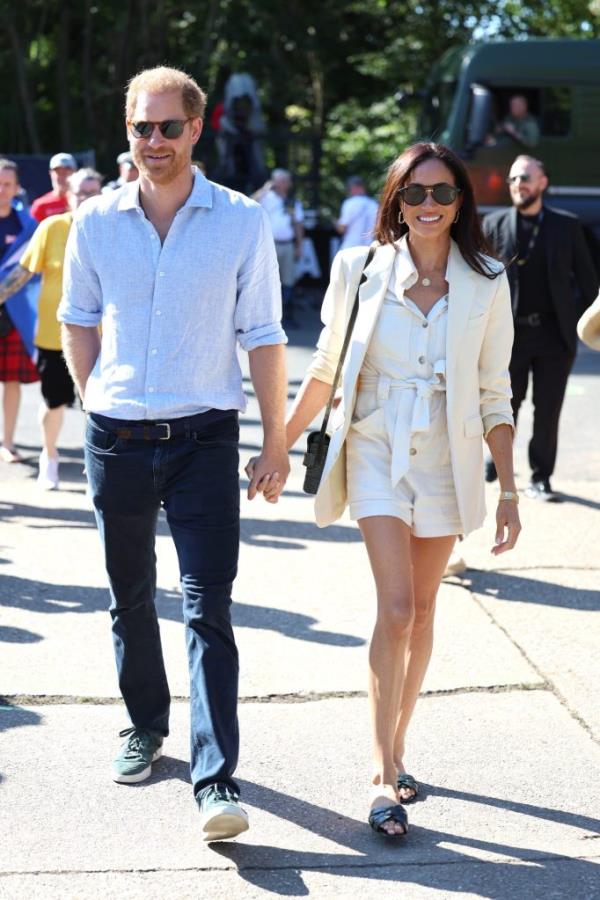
195 477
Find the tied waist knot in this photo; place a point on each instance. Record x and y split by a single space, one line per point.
399 426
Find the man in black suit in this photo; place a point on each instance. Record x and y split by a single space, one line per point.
552 280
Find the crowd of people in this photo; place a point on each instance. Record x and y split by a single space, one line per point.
30 346
164 278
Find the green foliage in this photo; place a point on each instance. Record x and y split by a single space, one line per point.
361 140
326 71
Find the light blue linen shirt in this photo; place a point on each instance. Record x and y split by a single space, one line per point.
171 315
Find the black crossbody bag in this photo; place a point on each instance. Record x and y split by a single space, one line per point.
317 442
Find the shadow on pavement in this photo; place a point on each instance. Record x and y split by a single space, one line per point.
16 717
503 586
19 635
580 501
41 597
265 533
53 518
290 624
497 880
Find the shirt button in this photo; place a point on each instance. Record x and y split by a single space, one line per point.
425 325
153 351
158 312
412 449
150 390
161 274
421 359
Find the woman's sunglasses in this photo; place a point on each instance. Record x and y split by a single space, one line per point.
170 128
442 193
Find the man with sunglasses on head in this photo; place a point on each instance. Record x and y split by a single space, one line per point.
178 271
546 254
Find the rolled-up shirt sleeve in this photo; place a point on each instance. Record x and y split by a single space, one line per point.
81 302
258 309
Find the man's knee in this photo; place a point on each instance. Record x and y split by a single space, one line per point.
206 604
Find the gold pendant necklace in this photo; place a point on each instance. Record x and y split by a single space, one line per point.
425 282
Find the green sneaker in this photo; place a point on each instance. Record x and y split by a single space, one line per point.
134 760
221 816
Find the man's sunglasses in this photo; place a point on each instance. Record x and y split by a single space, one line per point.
512 179
170 128
442 193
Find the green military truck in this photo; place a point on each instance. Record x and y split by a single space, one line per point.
468 95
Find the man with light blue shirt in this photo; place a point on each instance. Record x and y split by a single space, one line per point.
178 271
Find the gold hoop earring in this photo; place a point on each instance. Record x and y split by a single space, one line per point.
401 218
456 216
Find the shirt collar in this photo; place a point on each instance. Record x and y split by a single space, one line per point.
201 195
406 272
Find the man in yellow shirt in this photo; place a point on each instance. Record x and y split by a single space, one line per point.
45 255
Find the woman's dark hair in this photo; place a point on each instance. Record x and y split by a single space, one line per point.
466 232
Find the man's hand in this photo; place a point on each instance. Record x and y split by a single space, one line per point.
268 474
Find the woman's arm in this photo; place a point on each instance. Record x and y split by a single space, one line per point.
312 396
508 525
314 392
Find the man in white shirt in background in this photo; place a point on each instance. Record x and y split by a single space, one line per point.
287 218
358 214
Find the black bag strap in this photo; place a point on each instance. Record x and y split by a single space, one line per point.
344 350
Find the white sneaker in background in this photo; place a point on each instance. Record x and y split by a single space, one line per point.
47 478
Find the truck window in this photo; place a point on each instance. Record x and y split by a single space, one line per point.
555 106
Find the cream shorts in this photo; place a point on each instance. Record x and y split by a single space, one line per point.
424 498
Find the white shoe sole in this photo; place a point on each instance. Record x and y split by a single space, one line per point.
138 776
226 822
44 485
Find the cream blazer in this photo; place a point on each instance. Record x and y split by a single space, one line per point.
478 347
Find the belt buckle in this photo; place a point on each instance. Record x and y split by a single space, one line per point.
534 319
168 427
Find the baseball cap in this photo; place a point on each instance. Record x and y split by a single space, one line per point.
125 157
63 159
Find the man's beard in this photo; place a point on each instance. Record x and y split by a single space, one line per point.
526 202
169 171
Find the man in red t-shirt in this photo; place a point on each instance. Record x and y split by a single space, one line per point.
54 203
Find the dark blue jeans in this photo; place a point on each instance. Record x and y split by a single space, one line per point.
195 478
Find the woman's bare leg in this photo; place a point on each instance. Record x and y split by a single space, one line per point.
10 408
429 559
389 547
50 422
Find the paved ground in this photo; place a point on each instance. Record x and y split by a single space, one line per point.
505 738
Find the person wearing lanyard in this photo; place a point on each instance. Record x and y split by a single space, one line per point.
546 255
424 380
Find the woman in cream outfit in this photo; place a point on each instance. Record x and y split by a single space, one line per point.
424 380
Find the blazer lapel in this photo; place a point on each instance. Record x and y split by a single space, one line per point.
462 286
370 298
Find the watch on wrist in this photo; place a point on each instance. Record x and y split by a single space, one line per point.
509 495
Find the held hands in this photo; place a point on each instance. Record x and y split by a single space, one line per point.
268 474
508 526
